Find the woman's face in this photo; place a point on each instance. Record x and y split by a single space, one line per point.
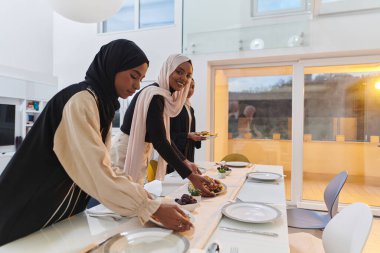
128 81
181 76
191 89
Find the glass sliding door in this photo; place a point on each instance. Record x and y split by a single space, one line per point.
341 131
253 115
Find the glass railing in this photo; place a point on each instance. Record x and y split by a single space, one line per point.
235 26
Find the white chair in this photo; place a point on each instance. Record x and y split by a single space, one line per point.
347 232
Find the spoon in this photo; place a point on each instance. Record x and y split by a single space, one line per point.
213 248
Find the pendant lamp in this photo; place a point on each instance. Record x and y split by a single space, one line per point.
86 11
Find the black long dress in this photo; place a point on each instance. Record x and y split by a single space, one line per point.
179 128
35 187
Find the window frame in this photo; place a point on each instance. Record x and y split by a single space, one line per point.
299 64
289 12
101 25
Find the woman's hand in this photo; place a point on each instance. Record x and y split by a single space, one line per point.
195 137
172 217
199 182
193 167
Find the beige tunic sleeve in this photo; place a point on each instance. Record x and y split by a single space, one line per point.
79 148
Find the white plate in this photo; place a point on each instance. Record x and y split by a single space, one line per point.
147 240
252 212
237 164
264 176
191 217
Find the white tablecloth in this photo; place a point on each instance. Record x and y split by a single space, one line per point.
80 231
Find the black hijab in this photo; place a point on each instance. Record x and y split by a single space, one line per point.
114 57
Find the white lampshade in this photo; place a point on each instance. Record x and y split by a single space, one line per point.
86 11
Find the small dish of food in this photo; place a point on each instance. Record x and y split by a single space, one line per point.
187 202
223 169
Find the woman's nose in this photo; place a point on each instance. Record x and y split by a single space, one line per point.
136 86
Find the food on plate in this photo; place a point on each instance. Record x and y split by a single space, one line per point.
215 187
205 134
185 200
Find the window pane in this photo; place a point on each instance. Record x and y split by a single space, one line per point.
264 6
259 108
253 115
123 20
341 131
156 13
341 103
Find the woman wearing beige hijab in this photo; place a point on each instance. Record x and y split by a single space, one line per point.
147 125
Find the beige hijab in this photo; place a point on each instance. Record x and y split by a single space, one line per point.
173 106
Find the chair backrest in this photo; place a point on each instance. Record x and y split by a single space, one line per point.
331 194
348 231
235 157
151 170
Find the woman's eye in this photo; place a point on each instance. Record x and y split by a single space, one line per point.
180 72
134 77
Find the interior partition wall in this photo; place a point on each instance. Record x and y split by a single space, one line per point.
314 117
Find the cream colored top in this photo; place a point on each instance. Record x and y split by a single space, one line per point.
79 147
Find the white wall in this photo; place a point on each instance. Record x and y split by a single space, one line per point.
26 35
337 35
76 44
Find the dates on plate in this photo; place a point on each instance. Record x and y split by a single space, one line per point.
186 199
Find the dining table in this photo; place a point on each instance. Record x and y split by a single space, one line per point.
82 232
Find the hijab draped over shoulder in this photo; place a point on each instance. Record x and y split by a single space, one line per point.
173 106
114 57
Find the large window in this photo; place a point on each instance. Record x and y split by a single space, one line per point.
123 20
272 7
342 103
253 115
137 14
156 13
315 120
341 131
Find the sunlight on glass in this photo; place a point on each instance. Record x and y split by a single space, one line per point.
156 13
123 20
278 5
377 85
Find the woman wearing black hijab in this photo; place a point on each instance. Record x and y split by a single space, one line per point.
64 158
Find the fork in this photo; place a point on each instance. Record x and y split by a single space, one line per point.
234 250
